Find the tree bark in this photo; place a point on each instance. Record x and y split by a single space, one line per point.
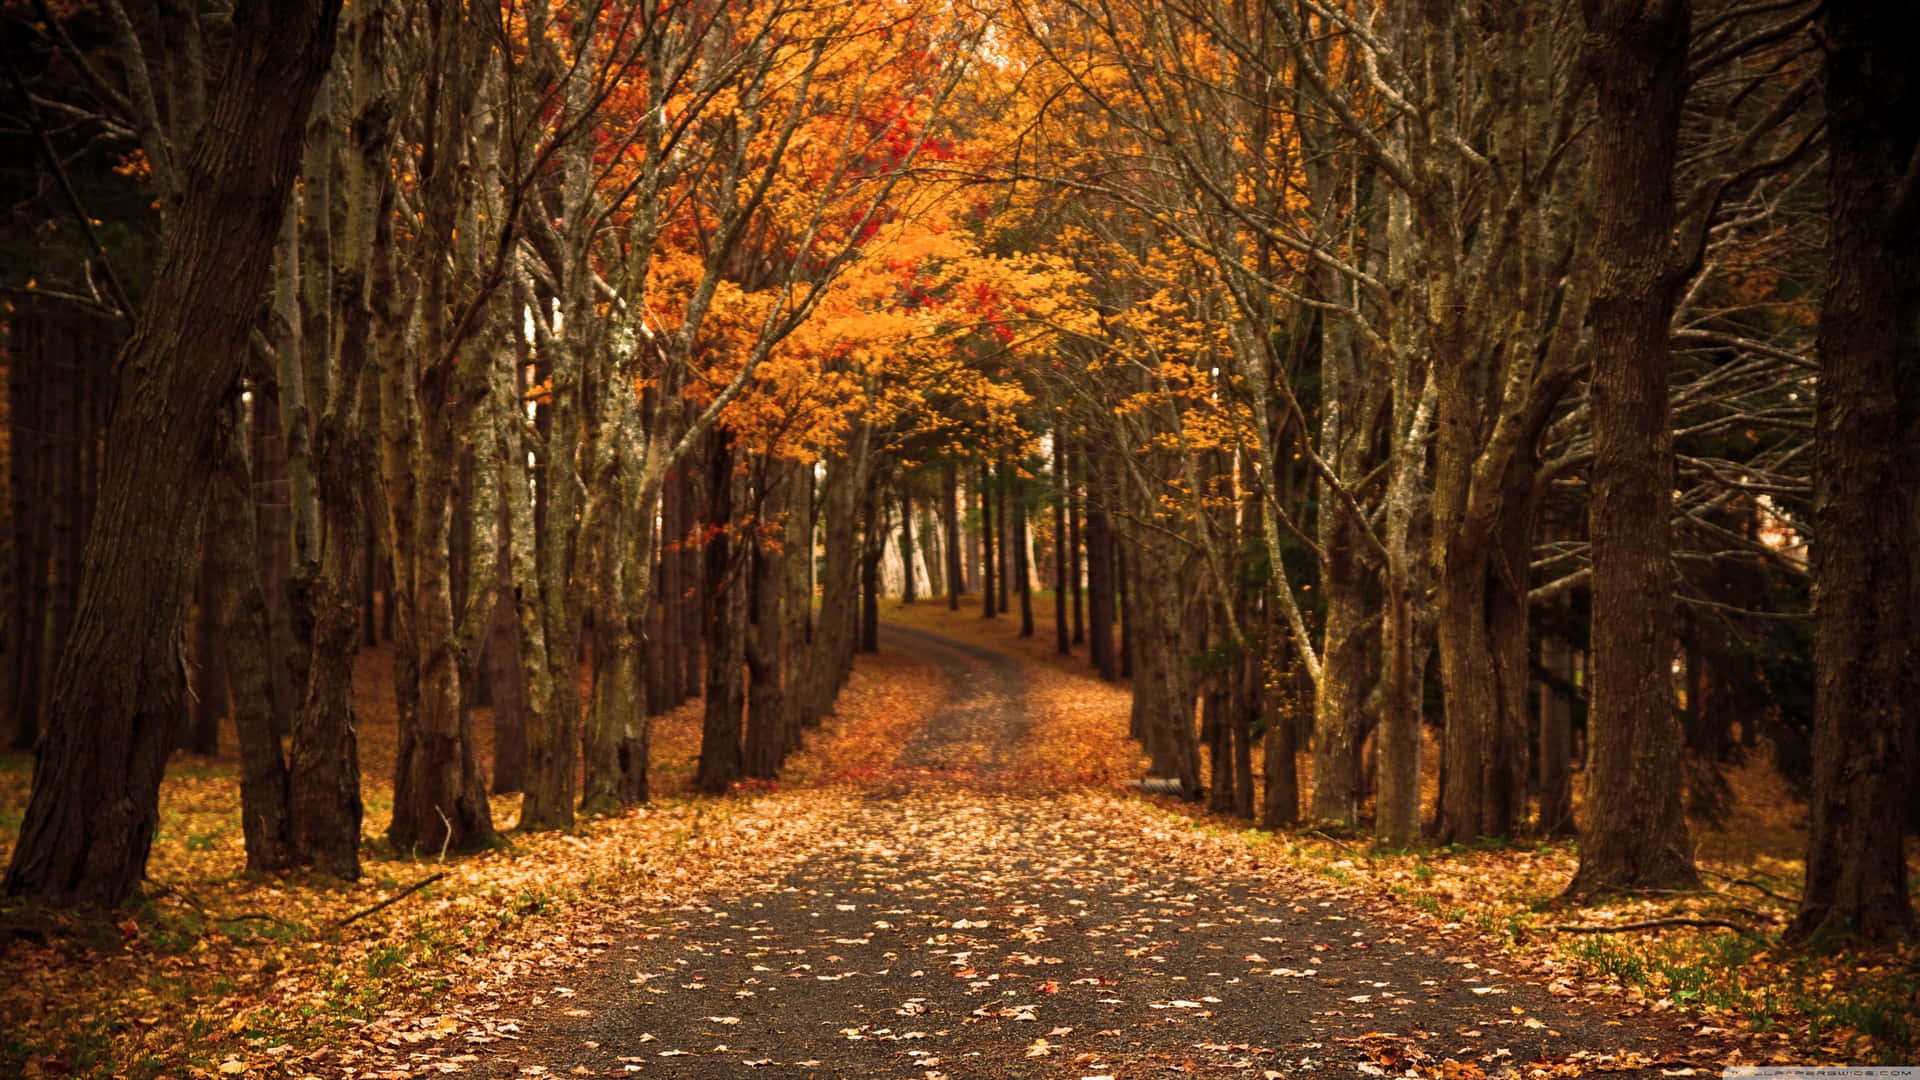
950 516
1556 741
90 819
1074 548
725 599
1100 587
872 549
1021 557
1339 720
833 640
908 589
988 609
1002 521
1636 831
770 641
1867 494
265 794
1161 684
931 554
208 684
1062 643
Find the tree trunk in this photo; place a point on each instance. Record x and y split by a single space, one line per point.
1100 588
275 540
1636 832
1021 556
1004 536
692 665
725 600
1074 549
90 820
1556 741
233 560
1216 730
667 643
908 590
1061 642
618 735
338 457
950 516
207 686
930 553
1161 683
1867 498
987 537
1280 803
509 699
770 642
1339 720
833 641
798 604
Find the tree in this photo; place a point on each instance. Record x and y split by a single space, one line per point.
1867 484
1636 828
90 819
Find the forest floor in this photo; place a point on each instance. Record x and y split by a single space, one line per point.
949 881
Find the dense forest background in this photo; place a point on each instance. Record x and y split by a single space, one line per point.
1530 386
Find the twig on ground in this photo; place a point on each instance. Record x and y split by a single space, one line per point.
391 900
1329 838
1651 924
215 917
1790 901
183 894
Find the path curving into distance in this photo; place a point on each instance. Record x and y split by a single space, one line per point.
960 928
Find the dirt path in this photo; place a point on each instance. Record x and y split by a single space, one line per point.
957 928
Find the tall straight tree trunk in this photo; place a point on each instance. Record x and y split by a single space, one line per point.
1074 548
725 599
338 458
273 521
1280 802
1021 555
1101 586
509 699
931 554
668 644
908 585
265 807
1339 717
1867 475
1162 686
1003 522
1216 730
770 642
1061 642
1636 830
987 608
90 820
833 640
950 517
692 666
873 547
797 609
208 683
1556 741
617 736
